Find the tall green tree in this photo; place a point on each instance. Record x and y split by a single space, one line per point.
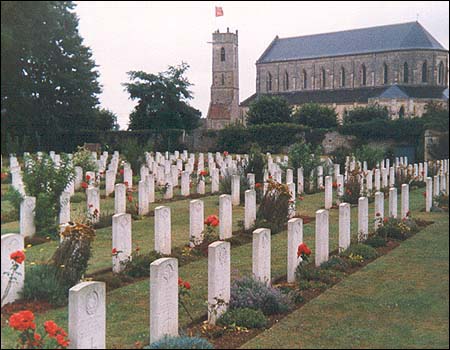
105 120
163 100
268 110
48 77
316 116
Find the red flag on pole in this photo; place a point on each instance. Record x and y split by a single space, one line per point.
219 11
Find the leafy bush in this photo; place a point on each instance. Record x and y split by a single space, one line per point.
250 293
42 284
375 241
78 197
83 158
367 252
72 255
46 182
180 343
225 185
352 188
245 317
273 212
335 263
316 116
268 110
133 152
256 163
139 265
305 155
394 228
311 273
15 198
370 154
364 114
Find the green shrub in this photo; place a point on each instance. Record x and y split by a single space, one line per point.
316 116
335 263
250 293
45 217
139 266
245 317
78 197
268 109
15 198
352 188
370 154
307 156
394 228
83 158
367 252
311 273
180 343
256 163
42 284
133 152
104 220
273 212
225 185
375 241
364 114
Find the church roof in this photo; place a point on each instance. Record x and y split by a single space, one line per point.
359 95
403 36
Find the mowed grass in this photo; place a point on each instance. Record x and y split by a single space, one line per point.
399 301
128 307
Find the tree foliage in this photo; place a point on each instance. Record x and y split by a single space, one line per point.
162 100
436 116
269 109
366 114
105 120
48 77
316 116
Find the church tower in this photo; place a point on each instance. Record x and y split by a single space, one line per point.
224 105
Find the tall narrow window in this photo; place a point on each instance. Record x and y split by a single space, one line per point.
385 73
223 79
324 77
363 75
305 80
286 81
342 77
441 73
269 82
222 54
405 73
424 72
401 112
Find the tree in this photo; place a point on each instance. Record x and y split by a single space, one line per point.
48 77
162 100
365 114
268 110
105 120
436 116
316 116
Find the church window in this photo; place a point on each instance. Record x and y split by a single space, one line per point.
223 79
424 72
269 82
385 73
324 77
222 54
405 73
401 112
286 81
363 75
305 80
342 77
441 73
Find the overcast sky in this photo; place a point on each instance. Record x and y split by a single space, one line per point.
151 35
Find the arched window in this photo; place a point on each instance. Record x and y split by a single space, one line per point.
223 79
424 72
305 80
286 81
401 112
363 75
324 79
222 54
269 82
385 73
342 77
441 73
405 73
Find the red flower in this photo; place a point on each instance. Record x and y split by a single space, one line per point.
88 177
4 176
51 328
258 185
84 185
385 220
212 220
408 213
125 183
62 341
180 282
22 320
130 199
335 185
424 194
303 249
225 153
138 249
301 198
114 251
377 214
18 256
203 173
187 285
121 171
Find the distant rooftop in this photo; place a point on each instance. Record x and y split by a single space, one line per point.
403 36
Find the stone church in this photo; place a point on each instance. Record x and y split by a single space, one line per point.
399 66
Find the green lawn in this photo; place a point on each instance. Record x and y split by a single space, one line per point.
128 307
399 301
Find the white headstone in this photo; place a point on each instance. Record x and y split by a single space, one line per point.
429 194
11 243
163 298
196 221
150 183
393 207
405 201
87 316
93 203
322 237
225 216
121 240
295 237
235 189
261 255
328 192
379 209
185 183
300 181
110 180
344 226
143 198
250 209
27 208
363 218
163 230
64 212
120 193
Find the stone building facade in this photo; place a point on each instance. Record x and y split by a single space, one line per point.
398 66
224 104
